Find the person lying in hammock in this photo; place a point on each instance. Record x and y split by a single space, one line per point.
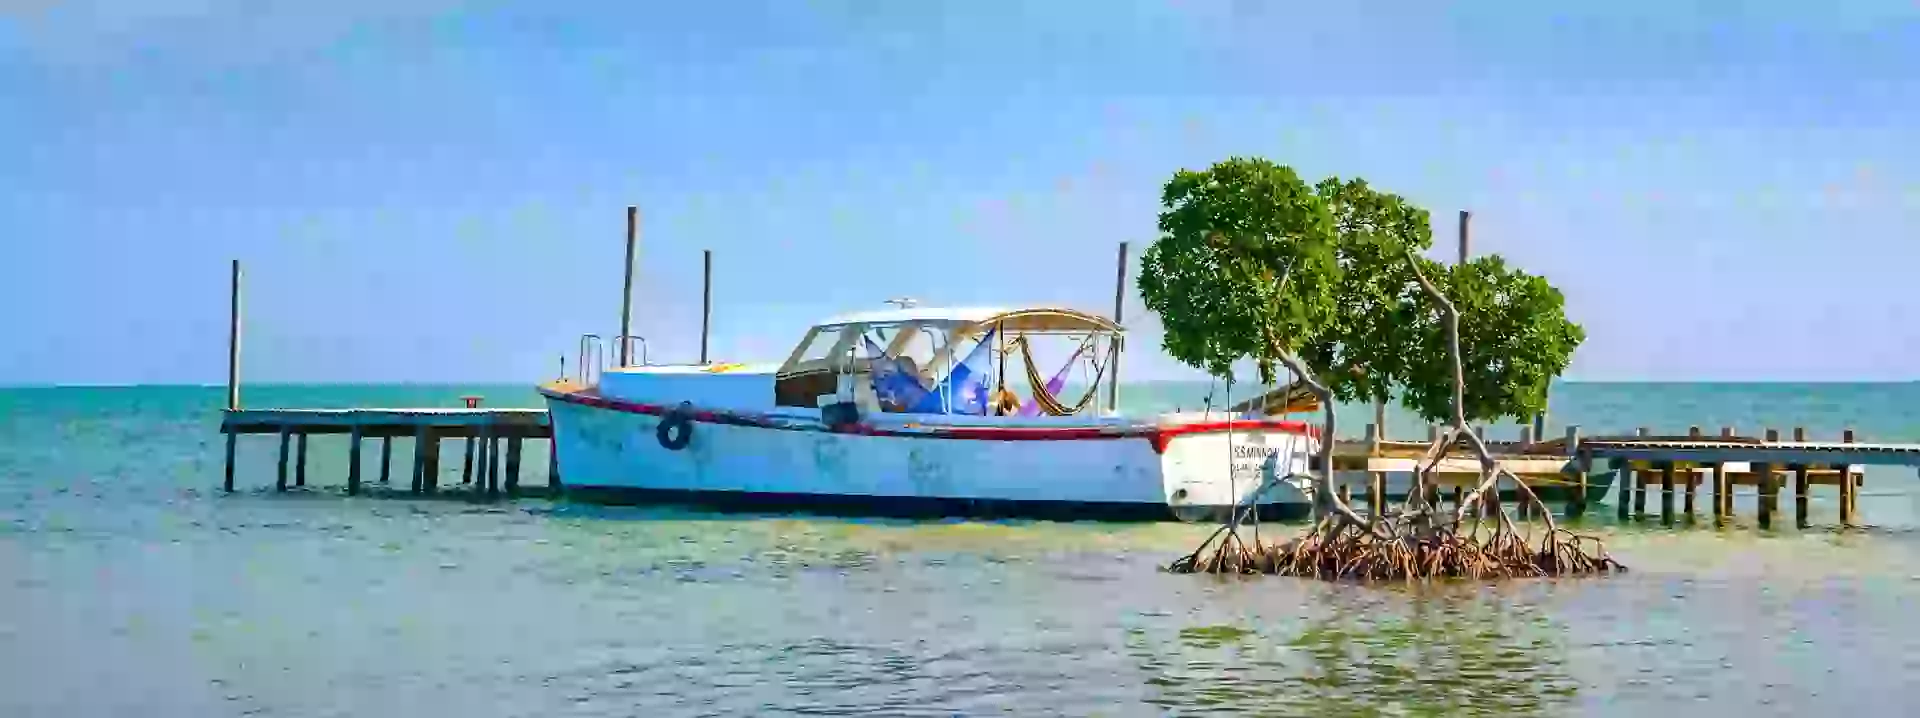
1004 402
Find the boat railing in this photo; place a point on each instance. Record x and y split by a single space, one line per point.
591 361
626 341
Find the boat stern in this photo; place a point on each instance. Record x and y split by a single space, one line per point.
1209 467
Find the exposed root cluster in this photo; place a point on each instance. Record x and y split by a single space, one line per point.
1390 549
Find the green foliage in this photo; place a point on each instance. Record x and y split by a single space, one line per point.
1377 303
1514 339
1350 307
1229 235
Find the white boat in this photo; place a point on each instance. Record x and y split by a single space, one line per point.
850 422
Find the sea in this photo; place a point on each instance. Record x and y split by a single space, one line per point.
131 585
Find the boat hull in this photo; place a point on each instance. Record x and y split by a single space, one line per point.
611 451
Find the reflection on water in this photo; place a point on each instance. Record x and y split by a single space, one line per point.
126 587
1358 651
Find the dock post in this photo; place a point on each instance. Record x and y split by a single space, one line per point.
228 483
1114 350
419 458
1692 474
430 470
280 483
386 457
1583 465
1848 492
553 465
1666 492
300 462
233 341
1769 487
493 462
1722 483
706 314
513 466
353 461
1800 483
1640 484
466 466
1623 480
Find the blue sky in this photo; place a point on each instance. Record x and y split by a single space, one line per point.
435 190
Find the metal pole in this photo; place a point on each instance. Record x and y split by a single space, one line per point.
233 341
626 285
1119 310
706 300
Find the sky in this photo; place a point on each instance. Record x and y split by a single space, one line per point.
433 190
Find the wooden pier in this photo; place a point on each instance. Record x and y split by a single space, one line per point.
486 433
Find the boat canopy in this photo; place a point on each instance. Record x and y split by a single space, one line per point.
843 344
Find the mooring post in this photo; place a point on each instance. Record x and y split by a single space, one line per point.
706 310
513 466
386 457
233 341
1119 311
280 483
353 460
300 462
1849 492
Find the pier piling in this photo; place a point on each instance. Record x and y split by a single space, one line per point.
1623 482
300 461
1769 486
513 467
227 484
1583 465
386 457
553 466
430 470
1692 475
1640 485
1849 491
419 459
1666 493
286 435
353 461
466 465
1800 483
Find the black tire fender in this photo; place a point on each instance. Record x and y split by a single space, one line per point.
676 428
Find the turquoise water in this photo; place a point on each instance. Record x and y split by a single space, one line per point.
128 585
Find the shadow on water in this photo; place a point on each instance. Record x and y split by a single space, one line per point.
1438 650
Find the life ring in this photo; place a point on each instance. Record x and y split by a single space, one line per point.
676 428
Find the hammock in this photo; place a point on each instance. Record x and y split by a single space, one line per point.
1047 401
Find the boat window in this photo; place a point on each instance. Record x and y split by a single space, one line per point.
819 344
